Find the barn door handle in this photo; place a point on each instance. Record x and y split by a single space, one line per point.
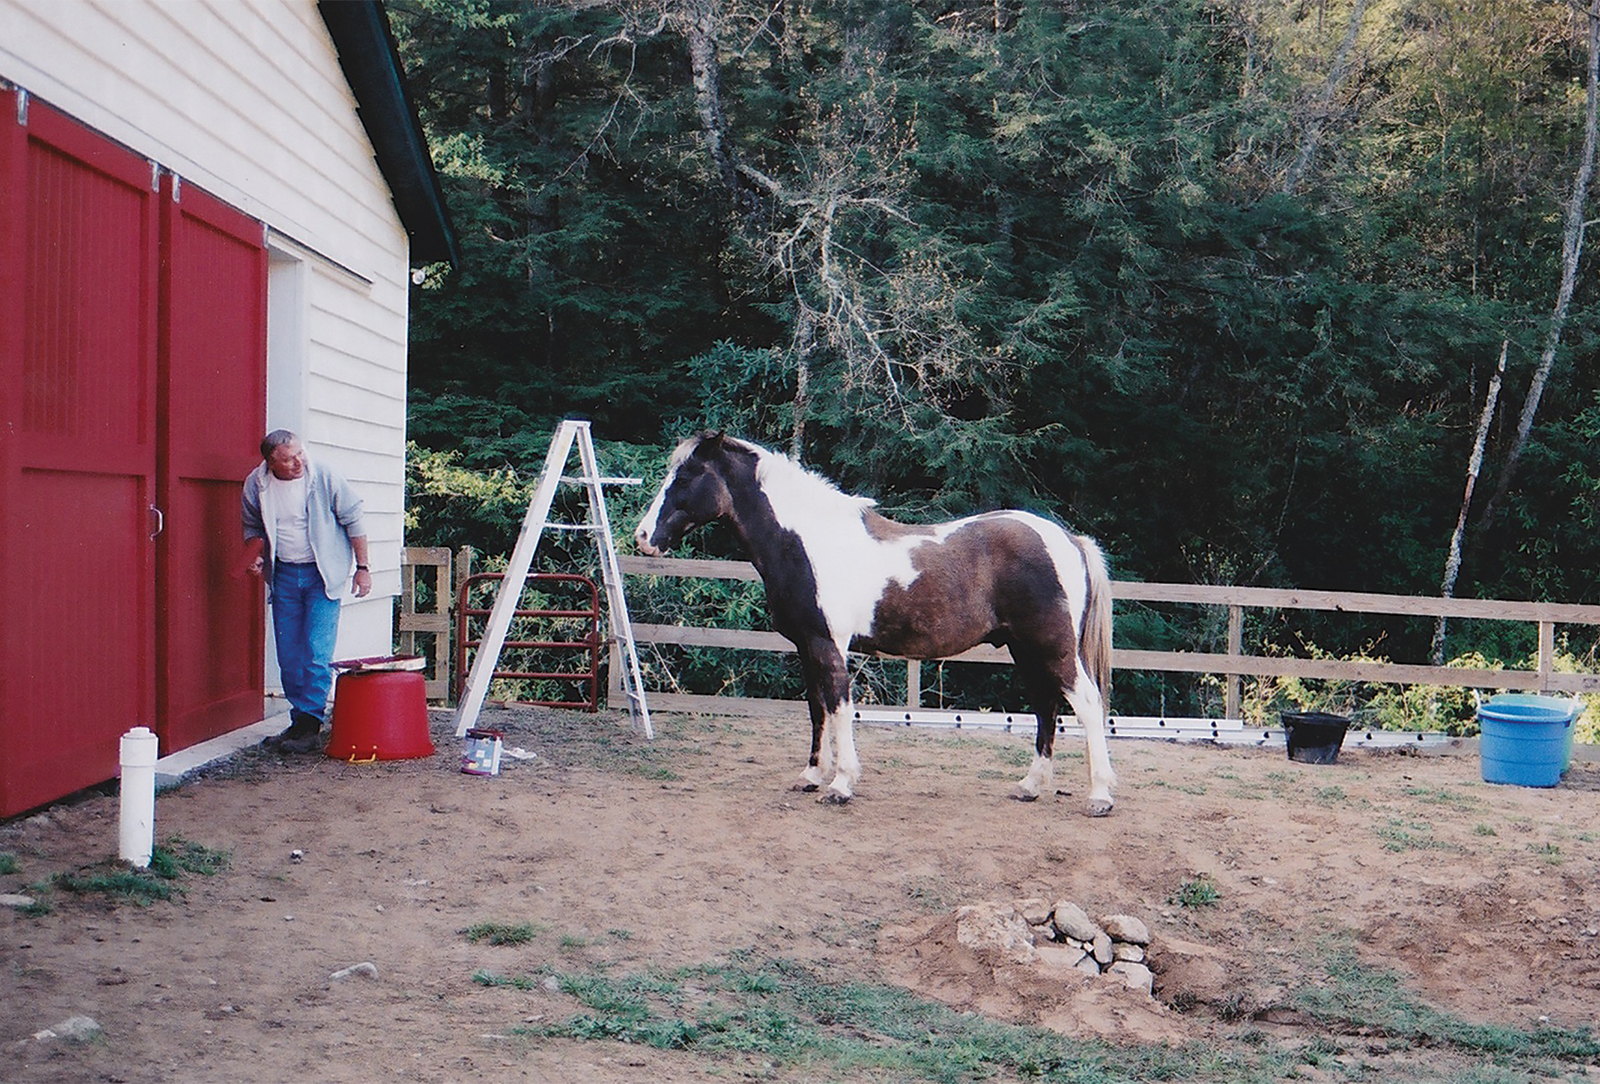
161 522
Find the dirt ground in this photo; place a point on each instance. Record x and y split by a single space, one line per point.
626 855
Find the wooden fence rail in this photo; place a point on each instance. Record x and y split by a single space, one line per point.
1232 664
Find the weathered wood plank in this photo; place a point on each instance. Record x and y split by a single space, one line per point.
1232 664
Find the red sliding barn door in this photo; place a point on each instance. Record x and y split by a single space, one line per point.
78 281
213 381
132 395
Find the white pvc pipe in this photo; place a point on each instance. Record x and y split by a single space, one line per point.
139 747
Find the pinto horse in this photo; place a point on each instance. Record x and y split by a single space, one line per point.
840 577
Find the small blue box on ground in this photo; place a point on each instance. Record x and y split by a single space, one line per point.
1526 740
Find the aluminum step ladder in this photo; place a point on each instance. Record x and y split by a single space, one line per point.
516 575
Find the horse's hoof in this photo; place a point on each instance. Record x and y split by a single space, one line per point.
833 797
804 786
1099 809
1024 796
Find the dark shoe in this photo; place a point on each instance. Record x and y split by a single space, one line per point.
309 743
303 727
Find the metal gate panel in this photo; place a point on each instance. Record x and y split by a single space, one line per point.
212 390
78 281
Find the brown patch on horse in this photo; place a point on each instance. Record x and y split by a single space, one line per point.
883 529
990 581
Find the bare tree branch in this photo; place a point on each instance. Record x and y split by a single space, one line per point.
1571 253
1452 561
1322 111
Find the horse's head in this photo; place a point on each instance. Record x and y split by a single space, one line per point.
693 494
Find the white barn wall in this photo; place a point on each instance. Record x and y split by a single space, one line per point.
246 99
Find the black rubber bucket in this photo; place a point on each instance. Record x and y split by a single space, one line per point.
1314 737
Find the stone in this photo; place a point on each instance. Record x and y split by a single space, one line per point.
1072 921
1123 951
366 969
1042 934
1088 966
1035 911
1137 976
16 899
75 1029
1126 928
1102 949
995 927
1055 957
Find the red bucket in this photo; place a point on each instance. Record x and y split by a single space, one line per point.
380 715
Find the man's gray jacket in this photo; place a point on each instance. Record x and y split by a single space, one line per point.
333 517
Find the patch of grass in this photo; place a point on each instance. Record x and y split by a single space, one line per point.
930 893
790 1016
1372 1001
620 935
8 862
502 933
1195 893
41 905
179 856
1441 796
573 941
1017 756
158 881
1550 853
1334 795
517 982
1182 788
1482 829
139 886
1402 835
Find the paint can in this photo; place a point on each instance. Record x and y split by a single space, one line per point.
482 754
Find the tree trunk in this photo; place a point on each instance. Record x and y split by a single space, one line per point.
1571 253
1312 135
804 338
1452 562
700 28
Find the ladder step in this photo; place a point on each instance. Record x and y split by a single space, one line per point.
570 480
572 526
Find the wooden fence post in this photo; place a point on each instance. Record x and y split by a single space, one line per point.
434 623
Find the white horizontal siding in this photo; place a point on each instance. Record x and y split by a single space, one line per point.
245 99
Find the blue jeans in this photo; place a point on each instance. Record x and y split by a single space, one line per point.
305 626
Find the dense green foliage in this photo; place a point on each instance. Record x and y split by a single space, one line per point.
1204 278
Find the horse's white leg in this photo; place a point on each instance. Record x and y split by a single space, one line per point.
1090 710
817 774
1041 774
841 727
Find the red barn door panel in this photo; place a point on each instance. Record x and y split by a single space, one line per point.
213 385
77 470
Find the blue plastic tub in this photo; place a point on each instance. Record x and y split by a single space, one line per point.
1526 740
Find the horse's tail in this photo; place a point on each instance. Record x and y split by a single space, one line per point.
1095 641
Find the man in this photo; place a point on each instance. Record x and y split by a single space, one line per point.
303 532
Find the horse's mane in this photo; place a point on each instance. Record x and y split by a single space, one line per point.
783 479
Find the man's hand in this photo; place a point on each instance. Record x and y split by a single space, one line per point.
256 567
363 583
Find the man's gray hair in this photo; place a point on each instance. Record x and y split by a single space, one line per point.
275 440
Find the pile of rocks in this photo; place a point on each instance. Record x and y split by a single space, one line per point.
1060 936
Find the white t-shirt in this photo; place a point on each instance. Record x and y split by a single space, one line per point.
292 541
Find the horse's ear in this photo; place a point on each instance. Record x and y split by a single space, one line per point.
711 440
